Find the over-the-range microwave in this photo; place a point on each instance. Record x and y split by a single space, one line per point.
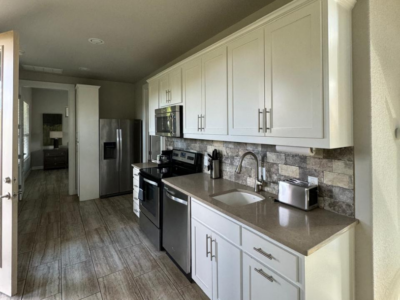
169 121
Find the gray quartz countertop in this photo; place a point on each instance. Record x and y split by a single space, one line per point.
303 232
144 165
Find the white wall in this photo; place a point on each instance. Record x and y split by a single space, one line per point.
46 101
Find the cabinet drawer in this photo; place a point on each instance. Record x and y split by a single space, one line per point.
135 173
271 255
55 153
135 184
216 222
136 209
259 281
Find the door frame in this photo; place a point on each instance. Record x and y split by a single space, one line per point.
70 88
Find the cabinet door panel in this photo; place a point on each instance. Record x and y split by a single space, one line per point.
175 86
164 88
257 287
226 270
246 84
153 105
215 98
293 64
191 75
201 263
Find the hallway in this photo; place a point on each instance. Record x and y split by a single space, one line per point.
89 250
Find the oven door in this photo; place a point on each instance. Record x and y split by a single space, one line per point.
149 196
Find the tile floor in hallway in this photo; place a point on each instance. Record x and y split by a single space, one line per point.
88 250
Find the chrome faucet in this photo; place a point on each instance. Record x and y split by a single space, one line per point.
259 179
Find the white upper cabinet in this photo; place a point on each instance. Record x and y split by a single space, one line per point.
191 74
215 98
163 90
246 84
284 80
175 86
293 75
153 105
170 89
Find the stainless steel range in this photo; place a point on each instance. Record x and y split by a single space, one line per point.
151 194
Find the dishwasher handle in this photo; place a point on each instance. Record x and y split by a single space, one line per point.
173 198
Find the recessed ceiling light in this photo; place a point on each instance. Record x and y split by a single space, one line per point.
96 41
84 69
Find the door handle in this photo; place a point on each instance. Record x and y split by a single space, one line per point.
266 119
8 196
260 112
212 248
176 199
151 182
262 273
262 252
207 237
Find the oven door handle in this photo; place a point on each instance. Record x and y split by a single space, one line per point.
150 182
173 198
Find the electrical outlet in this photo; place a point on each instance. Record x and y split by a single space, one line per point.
313 180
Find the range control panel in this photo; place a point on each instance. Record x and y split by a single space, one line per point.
184 156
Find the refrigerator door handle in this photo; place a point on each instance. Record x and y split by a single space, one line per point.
118 149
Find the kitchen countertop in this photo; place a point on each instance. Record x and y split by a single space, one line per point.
144 165
303 232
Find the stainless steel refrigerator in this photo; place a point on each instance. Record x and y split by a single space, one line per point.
120 147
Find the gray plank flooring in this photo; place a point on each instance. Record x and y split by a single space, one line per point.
92 250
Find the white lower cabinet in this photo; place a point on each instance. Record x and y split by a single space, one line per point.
261 283
216 264
231 261
136 209
201 257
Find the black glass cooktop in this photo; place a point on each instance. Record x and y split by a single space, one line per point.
158 173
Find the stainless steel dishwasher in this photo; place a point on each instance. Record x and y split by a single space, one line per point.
176 227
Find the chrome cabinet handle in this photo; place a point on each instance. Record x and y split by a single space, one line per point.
135 186
201 119
211 252
262 273
198 121
207 237
259 250
259 113
266 119
136 210
170 96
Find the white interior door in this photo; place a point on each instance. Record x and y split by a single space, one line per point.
9 60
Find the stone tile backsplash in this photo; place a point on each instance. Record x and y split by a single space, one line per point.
333 168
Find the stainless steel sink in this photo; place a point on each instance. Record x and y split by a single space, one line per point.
237 197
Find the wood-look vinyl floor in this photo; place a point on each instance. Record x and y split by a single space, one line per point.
91 250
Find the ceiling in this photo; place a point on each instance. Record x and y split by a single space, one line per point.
140 36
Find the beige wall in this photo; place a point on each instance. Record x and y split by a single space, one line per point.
376 65
116 98
385 107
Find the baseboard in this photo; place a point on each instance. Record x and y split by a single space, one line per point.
37 168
